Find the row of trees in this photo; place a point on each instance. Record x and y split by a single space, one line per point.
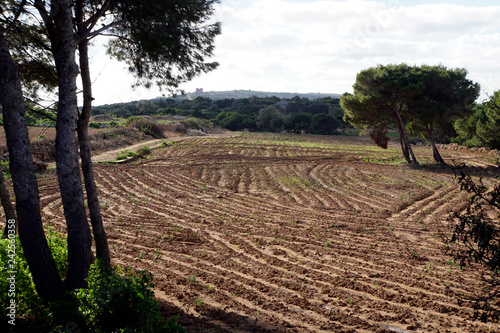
425 100
201 106
322 116
297 116
46 35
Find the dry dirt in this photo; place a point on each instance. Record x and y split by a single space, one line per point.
288 233
110 155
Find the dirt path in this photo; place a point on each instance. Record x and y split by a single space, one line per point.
111 154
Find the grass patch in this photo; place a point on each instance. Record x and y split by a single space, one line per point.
143 151
124 155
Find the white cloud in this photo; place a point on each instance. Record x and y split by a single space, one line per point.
320 46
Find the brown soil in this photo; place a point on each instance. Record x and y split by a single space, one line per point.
287 233
110 155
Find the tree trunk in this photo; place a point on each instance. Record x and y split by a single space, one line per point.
435 152
404 148
402 128
101 241
43 268
68 168
8 207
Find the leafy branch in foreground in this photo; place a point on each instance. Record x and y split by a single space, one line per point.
476 240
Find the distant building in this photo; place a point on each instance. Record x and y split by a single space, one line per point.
199 90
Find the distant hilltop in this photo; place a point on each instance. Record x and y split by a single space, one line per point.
237 94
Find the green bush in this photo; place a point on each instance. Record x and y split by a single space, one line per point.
322 123
29 307
40 137
482 128
103 124
167 111
124 155
143 151
168 143
5 168
116 301
235 121
122 302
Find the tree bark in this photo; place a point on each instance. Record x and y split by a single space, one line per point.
43 268
404 148
101 241
435 152
8 207
402 128
68 168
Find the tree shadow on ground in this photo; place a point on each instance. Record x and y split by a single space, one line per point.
209 319
450 169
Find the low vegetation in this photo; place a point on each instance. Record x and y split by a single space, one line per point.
140 153
482 127
118 301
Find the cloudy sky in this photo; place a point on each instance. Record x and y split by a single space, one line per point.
320 46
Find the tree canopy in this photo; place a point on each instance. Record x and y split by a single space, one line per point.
424 99
482 127
445 95
379 101
165 42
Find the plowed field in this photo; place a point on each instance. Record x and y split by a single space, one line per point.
287 233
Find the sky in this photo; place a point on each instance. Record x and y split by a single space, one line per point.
319 46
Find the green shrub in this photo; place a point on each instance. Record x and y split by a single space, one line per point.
59 247
116 301
30 308
167 111
124 155
169 143
40 137
122 302
5 168
143 151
